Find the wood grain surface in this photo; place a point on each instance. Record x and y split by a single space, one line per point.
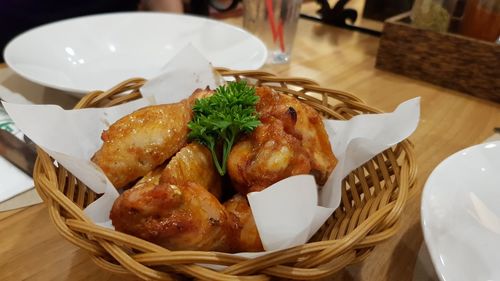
31 249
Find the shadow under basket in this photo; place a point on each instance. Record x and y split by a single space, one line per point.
373 197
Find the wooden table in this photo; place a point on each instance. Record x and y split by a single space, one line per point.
31 249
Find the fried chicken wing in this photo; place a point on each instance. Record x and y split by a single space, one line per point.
291 140
303 122
247 239
144 139
193 163
178 217
266 156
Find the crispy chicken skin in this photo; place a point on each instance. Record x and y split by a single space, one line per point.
199 94
291 140
144 139
303 122
247 239
186 217
266 156
178 217
152 177
193 163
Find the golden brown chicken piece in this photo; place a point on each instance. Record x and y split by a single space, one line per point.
291 140
248 239
266 156
193 163
184 217
144 139
303 122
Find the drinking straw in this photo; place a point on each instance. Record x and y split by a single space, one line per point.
270 17
276 31
280 36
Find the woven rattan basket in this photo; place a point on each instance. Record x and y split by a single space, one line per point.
373 197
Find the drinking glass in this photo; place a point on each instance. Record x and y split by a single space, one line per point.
275 23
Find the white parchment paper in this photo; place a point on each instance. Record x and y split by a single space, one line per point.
287 214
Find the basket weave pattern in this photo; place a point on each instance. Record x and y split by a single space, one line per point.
373 197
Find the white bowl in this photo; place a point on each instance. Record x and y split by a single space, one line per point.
97 52
461 215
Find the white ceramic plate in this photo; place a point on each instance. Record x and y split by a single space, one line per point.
97 52
461 215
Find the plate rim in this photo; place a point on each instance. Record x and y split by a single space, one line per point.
81 92
425 194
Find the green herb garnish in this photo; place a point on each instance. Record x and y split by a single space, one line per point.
221 117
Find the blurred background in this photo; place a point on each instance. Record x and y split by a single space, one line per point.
479 19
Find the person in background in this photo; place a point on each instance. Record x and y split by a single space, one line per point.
175 6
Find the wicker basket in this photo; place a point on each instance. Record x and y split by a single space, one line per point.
373 197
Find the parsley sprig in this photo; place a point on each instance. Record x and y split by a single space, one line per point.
221 117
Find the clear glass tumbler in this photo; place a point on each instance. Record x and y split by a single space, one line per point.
275 23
